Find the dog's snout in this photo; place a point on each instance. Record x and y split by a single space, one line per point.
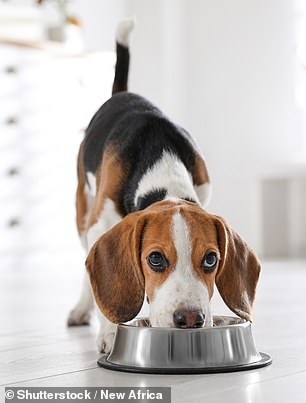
188 318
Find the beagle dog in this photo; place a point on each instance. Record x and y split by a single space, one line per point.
142 186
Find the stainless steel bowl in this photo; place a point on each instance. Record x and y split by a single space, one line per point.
228 346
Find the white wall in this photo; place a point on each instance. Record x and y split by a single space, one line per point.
99 19
225 70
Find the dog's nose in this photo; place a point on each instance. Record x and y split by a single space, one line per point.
184 318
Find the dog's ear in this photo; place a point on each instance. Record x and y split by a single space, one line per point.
115 270
238 271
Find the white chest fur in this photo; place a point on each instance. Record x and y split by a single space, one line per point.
168 173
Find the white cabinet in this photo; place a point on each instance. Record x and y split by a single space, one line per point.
283 219
46 101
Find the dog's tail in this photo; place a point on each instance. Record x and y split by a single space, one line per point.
124 29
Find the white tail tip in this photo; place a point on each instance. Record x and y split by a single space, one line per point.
124 29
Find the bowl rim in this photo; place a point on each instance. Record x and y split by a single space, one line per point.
242 323
263 362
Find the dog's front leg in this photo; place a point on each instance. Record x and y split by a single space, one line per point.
80 314
106 333
108 218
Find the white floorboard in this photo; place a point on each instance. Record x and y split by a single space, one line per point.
36 348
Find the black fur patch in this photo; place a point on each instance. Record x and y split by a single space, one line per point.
122 68
150 198
139 134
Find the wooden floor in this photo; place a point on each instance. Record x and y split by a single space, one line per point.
36 348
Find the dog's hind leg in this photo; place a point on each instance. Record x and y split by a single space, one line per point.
80 314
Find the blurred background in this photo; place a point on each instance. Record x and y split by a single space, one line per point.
231 72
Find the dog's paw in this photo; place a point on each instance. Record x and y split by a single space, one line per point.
78 317
105 341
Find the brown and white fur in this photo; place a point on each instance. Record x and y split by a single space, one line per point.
142 187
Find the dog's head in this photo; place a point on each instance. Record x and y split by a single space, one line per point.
175 252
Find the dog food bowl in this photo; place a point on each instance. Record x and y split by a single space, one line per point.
227 346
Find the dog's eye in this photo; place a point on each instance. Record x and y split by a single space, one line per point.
157 261
209 262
